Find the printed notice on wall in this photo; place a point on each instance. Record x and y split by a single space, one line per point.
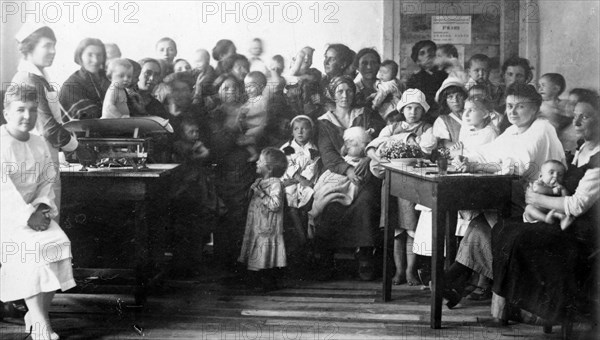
451 29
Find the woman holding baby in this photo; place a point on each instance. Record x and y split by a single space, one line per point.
544 268
355 225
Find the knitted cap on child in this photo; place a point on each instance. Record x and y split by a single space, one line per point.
412 96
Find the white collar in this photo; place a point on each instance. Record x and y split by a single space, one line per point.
331 117
514 130
307 146
586 156
28 66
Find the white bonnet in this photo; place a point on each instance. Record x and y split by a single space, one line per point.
412 96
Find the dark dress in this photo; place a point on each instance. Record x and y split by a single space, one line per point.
152 105
428 84
233 177
194 204
542 269
82 94
355 225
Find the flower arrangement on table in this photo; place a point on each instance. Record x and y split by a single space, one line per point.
396 150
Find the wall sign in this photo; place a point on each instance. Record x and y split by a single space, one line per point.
451 29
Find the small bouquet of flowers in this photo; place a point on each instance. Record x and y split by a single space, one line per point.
395 149
441 155
441 152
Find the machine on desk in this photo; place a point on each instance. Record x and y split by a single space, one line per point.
119 142
116 214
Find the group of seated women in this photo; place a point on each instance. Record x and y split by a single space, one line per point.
345 119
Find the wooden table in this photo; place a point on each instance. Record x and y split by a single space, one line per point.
445 195
146 190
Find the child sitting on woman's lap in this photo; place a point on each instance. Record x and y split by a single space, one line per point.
332 187
550 184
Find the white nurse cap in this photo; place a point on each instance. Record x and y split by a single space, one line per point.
27 29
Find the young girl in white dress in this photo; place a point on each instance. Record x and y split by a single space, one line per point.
36 253
301 174
477 130
263 248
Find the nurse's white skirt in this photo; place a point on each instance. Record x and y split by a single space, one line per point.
20 282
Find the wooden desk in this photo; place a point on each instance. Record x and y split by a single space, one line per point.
445 195
147 190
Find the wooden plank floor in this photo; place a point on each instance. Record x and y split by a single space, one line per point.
205 309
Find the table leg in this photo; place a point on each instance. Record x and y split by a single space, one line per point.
388 238
451 246
437 265
141 252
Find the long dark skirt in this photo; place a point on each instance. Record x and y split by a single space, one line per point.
232 187
540 268
355 225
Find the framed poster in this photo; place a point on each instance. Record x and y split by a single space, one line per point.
451 29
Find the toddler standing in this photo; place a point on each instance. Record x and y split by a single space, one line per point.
36 253
120 73
302 172
263 247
